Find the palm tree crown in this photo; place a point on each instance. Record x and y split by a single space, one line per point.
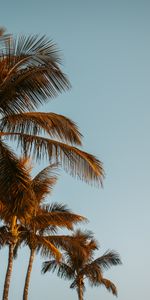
80 266
30 74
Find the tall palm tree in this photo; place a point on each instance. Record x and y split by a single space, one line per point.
78 267
30 75
29 226
19 203
41 235
36 229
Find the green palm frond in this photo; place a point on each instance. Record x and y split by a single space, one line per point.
35 123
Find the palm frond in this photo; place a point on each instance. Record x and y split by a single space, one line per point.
109 286
16 248
80 164
43 183
90 271
67 243
49 266
110 258
31 74
62 269
32 48
61 219
36 123
14 182
46 248
4 236
29 88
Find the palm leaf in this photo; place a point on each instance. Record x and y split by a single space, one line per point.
42 184
27 89
4 236
109 285
14 182
47 248
110 258
49 265
30 74
31 48
63 270
35 123
45 218
80 164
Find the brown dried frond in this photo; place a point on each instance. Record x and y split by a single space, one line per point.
35 123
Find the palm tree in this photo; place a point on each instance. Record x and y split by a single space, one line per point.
78 267
36 229
13 208
31 224
30 75
45 239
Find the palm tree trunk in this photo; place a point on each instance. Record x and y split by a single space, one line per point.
28 275
80 292
8 272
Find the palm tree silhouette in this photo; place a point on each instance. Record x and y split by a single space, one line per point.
80 266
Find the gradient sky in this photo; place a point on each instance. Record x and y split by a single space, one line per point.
106 53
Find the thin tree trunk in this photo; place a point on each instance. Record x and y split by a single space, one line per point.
80 292
8 272
28 275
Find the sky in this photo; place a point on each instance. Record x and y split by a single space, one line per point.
105 46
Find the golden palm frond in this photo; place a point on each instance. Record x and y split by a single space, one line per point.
109 286
14 182
80 164
30 73
63 270
35 123
43 183
39 243
108 259
55 215
47 248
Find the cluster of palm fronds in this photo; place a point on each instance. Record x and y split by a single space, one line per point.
30 75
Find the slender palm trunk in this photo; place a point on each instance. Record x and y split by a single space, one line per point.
80 292
28 275
8 272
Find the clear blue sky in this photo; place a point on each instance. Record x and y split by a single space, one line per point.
106 50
